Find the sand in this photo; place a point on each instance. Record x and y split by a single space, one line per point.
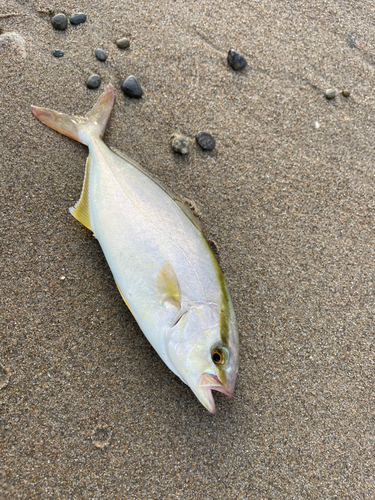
88 410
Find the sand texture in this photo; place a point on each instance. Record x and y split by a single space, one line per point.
87 409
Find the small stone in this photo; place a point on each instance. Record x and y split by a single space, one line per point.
330 94
123 43
179 144
94 82
205 140
101 436
101 55
236 60
57 53
131 87
4 376
78 19
346 93
59 22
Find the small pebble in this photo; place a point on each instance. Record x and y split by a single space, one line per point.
179 144
131 87
4 376
330 94
94 82
123 43
236 60
78 19
58 53
101 55
59 22
101 436
205 140
346 93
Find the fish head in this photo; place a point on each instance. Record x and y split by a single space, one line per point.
205 359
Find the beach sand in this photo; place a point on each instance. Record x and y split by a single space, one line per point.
88 410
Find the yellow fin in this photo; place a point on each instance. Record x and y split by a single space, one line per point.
123 298
81 209
167 286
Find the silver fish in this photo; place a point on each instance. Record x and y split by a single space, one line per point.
161 262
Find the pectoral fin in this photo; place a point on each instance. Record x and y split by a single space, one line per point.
167 286
81 209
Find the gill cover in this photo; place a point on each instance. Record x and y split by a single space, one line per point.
190 345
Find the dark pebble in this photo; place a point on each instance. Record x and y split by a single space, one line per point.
59 22
205 140
58 53
236 60
94 82
131 87
101 55
78 19
123 43
346 93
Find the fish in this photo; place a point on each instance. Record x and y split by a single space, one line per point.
161 262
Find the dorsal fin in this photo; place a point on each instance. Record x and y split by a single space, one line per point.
81 209
167 286
189 212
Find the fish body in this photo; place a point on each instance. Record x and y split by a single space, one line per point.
159 257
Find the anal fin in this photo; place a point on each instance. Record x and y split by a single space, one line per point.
123 298
81 209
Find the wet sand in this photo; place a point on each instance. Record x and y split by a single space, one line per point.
87 409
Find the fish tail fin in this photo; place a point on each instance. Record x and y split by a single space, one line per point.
80 128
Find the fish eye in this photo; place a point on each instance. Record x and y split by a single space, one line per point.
219 356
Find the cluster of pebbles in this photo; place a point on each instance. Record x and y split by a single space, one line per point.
131 86
331 93
180 143
60 21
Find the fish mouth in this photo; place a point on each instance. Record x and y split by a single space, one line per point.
209 383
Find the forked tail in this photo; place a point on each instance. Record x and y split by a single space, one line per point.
80 128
